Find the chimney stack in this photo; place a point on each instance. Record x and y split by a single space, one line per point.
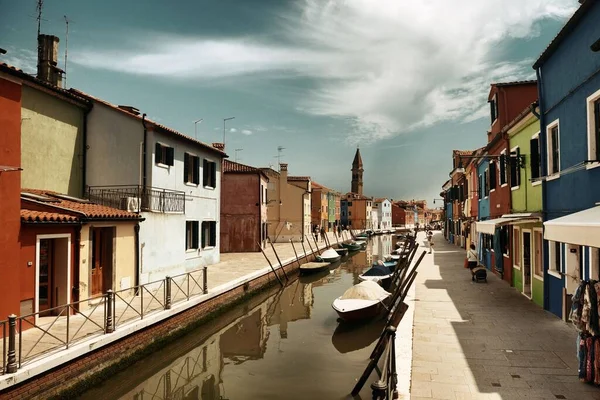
219 146
47 68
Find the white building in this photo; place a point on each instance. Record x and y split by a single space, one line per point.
384 211
171 179
374 216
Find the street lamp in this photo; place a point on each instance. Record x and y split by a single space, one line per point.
236 152
195 126
225 120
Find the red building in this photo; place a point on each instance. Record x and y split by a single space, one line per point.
243 208
507 101
403 214
10 188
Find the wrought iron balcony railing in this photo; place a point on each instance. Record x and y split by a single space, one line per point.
138 198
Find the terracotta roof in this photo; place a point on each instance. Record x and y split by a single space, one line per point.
43 216
566 29
380 199
231 166
462 152
152 124
45 86
86 209
298 178
515 83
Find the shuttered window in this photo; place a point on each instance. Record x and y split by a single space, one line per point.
209 178
164 154
191 235
209 234
515 170
492 175
553 149
191 169
503 177
536 167
597 127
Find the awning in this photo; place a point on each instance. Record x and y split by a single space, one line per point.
489 226
581 228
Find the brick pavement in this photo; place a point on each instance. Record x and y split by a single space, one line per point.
486 341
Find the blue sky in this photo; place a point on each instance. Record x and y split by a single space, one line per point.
407 81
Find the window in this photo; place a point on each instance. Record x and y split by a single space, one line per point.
553 135
515 169
504 240
503 175
349 213
191 235
593 107
164 154
349 204
486 182
492 176
494 109
191 169
209 234
517 247
210 174
534 147
554 265
538 268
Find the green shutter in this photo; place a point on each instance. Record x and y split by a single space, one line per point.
170 156
205 173
203 235
158 153
535 158
213 233
186 160
196 172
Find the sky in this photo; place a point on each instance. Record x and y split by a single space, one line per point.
406 81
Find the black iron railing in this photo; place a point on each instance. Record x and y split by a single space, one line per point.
138 198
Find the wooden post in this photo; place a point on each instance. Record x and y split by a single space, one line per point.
304 249
278 260
317 246
294 247
271 265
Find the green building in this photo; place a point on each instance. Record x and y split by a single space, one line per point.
524 166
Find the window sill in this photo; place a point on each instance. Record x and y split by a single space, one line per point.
504 185
208 248
517 267
192 184
593 165
513 188
506 255
554 274
161 165
553 177
492 190
191 251
536 183
209 188
538 277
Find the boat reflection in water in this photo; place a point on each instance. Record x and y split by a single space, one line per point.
279 344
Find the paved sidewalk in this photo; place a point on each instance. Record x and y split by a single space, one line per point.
486 341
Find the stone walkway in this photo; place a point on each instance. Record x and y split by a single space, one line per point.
486 341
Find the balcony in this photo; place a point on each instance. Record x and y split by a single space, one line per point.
138 198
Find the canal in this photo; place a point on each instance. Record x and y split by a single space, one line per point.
279 344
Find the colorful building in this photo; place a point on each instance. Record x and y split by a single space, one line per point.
244 204
569 86
358 211
384 211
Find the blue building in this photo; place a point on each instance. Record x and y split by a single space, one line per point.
486 241
344 212
568 74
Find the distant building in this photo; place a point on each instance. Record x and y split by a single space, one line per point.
358 211
357 174
384 212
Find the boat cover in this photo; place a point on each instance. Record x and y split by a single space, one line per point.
378 270
367 290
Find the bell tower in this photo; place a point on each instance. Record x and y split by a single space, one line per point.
357 173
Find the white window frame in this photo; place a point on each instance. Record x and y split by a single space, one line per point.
186 182
160 164
513 188
517 233
503 152
555 123
541 232
591 137
552 260
537 136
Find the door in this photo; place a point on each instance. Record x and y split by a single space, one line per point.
101 266
46 271
527 263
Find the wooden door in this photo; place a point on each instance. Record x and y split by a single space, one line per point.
46 272
97 264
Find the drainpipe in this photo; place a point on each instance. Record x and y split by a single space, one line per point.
543 173
76 263
303 194
136 230
84 153
145 145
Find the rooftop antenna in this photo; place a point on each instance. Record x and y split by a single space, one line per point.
67 21
38 8
279 150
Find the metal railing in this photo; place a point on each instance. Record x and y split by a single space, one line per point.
136 198
35 335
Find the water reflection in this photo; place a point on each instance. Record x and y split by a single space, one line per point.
280 344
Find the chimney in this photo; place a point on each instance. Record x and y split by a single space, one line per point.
219 146
47 69
130 109
283 175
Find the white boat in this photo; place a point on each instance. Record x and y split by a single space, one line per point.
378 273
394 257
329 255
360 302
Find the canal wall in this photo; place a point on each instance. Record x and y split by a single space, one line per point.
93 360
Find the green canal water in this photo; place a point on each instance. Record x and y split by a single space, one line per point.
280 344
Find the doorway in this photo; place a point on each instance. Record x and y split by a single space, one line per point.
53 273
574 274
527 263
102 260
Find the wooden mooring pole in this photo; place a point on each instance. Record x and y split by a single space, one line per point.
278 260
311 249
271 265
294 247
304 249
317 246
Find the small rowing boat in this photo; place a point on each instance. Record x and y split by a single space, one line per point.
313 267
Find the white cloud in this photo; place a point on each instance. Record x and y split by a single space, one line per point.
386 66
24 59
232 130
247 132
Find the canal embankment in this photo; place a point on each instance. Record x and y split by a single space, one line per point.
229 282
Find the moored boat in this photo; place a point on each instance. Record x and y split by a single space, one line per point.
390 264
329 255
352 246
342 251
378 273
313 267
360 302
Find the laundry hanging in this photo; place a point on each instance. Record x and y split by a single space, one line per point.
584 315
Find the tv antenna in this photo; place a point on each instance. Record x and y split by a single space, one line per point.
279 150
67 21
38 8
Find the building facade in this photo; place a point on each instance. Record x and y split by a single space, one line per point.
357 174
384 211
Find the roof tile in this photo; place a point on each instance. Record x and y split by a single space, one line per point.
43 216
